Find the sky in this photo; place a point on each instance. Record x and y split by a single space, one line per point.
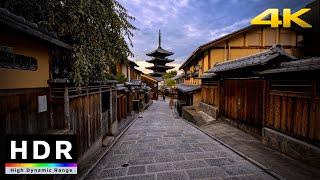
187 24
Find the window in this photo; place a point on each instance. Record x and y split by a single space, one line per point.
292 85
10 60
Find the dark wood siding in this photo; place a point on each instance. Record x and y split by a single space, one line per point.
19 111
210 95
242 100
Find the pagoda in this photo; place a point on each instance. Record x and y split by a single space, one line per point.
159 60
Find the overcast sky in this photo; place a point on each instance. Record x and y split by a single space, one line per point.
186 24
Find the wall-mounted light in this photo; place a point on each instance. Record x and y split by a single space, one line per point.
197 67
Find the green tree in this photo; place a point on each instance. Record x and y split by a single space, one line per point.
96 29
167 77
169 74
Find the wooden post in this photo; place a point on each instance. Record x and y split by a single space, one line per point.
66 109
110 120
100 106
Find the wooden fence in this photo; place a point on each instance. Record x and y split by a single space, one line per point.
294 108
83 112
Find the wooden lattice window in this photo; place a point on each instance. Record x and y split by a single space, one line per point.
10 60
303 86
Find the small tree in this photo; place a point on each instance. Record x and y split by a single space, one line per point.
167 77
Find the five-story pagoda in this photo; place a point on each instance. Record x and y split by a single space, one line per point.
159 61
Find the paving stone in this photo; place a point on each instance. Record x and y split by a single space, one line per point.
211 172
258 176
189 164
169 158
173 175
220 161
241 169
159 167
201 155
140 177
138 161
188 150
136 170
113 172
163 147
147 154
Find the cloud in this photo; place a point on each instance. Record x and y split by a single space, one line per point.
187 24
143 64
214 34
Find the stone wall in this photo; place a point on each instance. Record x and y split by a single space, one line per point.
210 110
190 114
290 146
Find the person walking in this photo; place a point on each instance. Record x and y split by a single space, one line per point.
171 101
164 97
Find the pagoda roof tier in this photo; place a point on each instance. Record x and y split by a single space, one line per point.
161 60
156 74
159 52
159 67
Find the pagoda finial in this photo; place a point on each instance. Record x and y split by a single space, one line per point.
159 38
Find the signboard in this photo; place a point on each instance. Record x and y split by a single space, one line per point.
42 103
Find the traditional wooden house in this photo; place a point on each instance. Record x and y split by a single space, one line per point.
135 74
127 68
274 94
292 108
242 43
179 79
152 83
26 55
37 96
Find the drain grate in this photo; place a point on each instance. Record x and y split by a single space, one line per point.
125 165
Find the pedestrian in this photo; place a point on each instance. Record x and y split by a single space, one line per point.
164 97
171 101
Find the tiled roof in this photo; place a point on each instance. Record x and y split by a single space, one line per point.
186 88
157 59
208 75
157 66
296 65
121 87
254 60
159 50
20 24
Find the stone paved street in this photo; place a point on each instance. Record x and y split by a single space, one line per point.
160 146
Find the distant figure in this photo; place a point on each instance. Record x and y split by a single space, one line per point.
171 102
164 97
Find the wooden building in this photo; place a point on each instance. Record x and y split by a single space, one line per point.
242 43
274 95
26 53
127 68
37 96
152 83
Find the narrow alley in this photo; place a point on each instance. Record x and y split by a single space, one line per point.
161 146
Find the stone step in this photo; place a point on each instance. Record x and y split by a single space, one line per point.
107 141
